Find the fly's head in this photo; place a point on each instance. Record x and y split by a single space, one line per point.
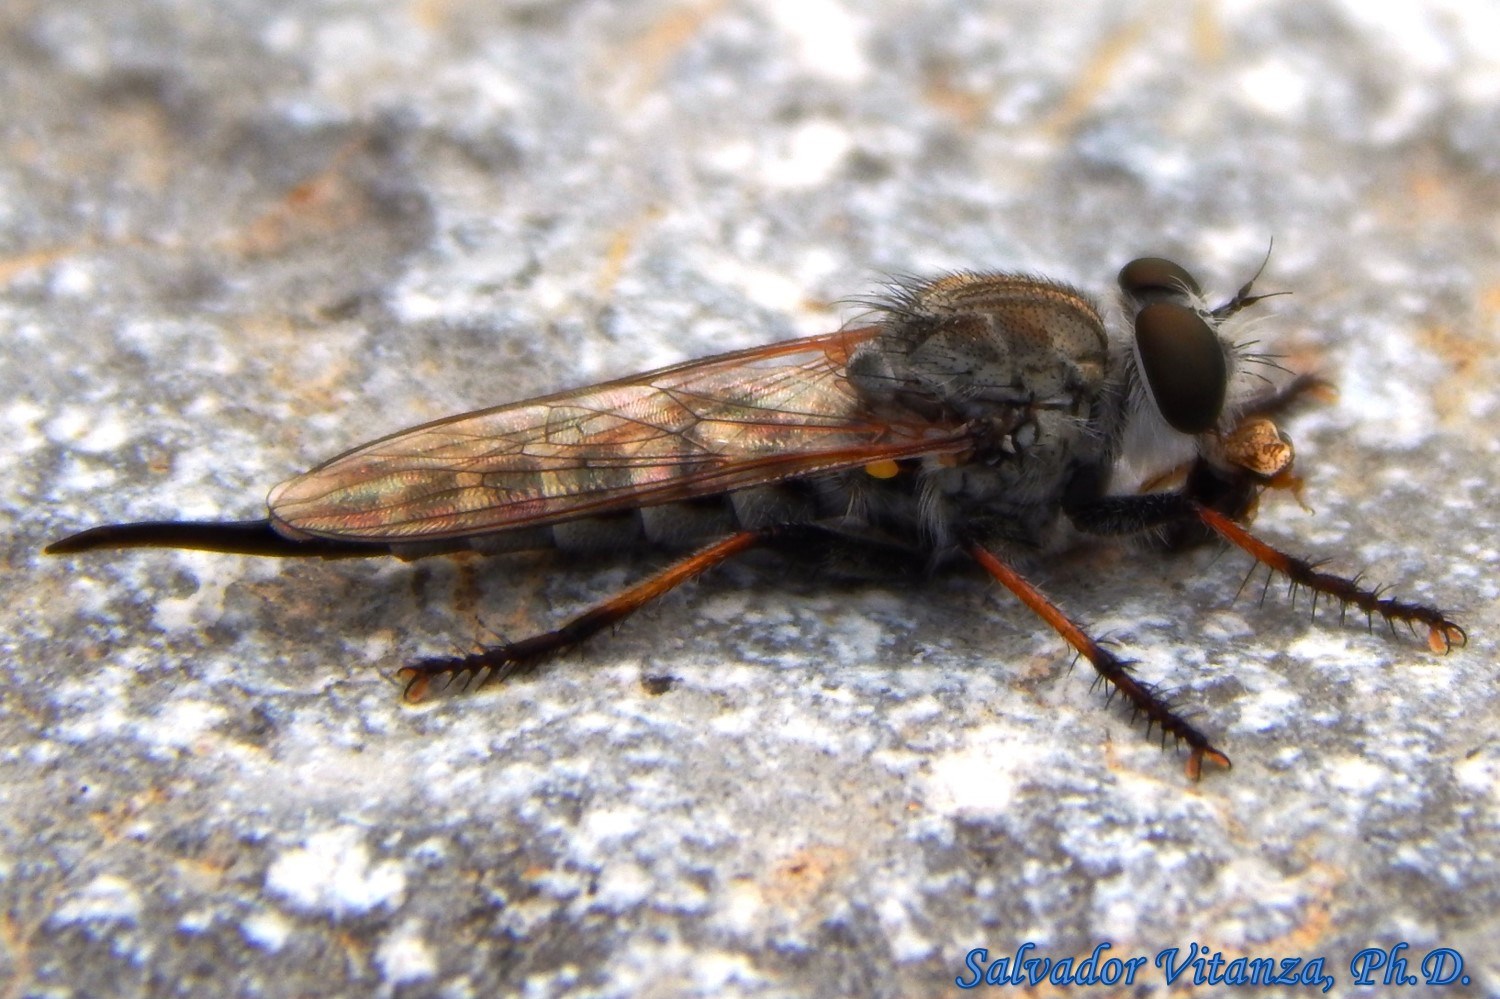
1195 401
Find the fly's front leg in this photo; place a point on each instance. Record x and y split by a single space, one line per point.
1143 698
1291 396
497 662
1442 632
1125 515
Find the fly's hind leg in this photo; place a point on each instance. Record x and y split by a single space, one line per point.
1143 698
496 662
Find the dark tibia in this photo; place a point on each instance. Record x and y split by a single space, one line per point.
1232 492
1118 516
1173 517
242 537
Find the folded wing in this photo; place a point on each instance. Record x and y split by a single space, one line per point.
695 429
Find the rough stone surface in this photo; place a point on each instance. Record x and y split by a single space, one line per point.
238 237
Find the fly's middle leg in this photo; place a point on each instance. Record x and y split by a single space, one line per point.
1142 697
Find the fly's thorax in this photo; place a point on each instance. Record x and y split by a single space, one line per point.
1022 361
1018 476
962 344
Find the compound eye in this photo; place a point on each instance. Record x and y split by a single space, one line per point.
1184 365
1156 276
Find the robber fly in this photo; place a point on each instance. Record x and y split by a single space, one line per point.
979 415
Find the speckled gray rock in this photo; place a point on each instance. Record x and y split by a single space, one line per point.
238 237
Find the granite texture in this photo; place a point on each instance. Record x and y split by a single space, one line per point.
238 237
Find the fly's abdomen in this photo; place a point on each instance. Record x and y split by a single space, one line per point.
671 526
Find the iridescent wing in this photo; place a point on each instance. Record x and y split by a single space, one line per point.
695 429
